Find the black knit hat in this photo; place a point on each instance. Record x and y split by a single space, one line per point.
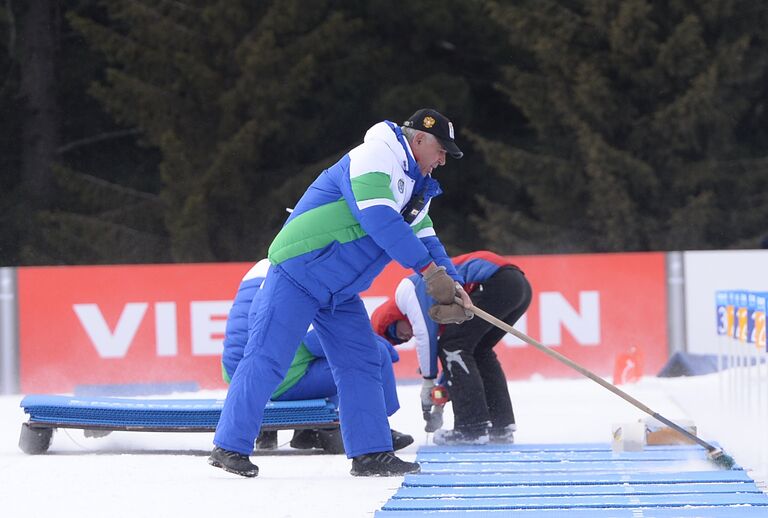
434 122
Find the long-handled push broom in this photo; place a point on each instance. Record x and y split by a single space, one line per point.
715 454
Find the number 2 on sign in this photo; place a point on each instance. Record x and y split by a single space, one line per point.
758 331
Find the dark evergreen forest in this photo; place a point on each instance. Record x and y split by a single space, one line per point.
180 130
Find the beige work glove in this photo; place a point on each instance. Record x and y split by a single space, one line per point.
450 313
440 286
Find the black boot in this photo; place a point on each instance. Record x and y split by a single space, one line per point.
267 440
382 464
327 439
233 462
331 441
473 434
305 440
400 440
502 435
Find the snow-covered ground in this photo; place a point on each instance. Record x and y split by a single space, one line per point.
133 474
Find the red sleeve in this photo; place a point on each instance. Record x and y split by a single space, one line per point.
384 316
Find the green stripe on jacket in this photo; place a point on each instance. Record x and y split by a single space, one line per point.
372 186
296 371
322 225
424 223
298 368
315 229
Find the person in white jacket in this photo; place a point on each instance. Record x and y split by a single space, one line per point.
474 377
365 210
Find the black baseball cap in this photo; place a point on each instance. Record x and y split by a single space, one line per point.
434 122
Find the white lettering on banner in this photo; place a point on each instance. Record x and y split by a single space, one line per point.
166 336
208 322
108 344
556 313
371 303
205 326
522 326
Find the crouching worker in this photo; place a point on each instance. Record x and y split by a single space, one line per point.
476 383
309 376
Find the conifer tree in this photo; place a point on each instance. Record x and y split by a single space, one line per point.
10 159
644 126
61 156
248 101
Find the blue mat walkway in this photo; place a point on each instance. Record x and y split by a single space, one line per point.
582 480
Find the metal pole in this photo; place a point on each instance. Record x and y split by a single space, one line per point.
9 351
676 335
715 453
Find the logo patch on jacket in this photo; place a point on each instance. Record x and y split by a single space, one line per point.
401 186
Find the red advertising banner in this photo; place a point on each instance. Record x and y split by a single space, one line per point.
93 325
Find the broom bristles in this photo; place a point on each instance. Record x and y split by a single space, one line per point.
720 458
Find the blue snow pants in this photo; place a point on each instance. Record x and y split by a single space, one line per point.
317 382
282 317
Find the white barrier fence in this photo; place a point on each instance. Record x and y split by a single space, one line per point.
743 373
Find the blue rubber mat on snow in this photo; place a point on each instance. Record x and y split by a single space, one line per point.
541 481
672 512
594 467
570 456
572 479
613 489
177 414
548 448
581 501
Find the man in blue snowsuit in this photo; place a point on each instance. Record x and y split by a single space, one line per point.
309 376
365 210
